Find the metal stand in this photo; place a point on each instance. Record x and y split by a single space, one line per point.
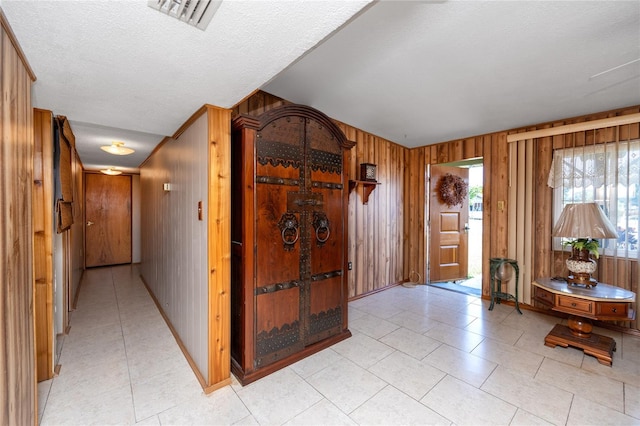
496 293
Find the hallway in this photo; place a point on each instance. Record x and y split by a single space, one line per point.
418 355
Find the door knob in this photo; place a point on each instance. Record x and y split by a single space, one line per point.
466 227
89 223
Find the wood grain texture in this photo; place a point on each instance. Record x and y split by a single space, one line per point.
219 245
603 125
416 204
377 237
42 216
18 391
108 208
76 233
289 288
406 198
448 260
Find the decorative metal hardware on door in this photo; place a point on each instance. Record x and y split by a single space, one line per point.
290 232
321 226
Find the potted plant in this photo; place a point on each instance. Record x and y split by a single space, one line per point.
583 247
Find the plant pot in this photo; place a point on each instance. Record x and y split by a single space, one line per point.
581 266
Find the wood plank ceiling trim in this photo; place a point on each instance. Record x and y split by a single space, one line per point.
575 127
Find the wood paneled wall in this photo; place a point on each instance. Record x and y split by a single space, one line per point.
77 229
495 151
493 148
388 243
186 254
18 392
47 346
378 236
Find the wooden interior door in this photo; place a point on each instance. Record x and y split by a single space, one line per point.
448 259
108 219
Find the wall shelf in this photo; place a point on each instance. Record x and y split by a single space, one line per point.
367 188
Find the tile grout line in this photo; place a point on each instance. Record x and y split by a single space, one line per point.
124 344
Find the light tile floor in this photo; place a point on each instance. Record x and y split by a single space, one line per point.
418 355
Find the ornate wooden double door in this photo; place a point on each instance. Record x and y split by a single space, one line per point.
289 295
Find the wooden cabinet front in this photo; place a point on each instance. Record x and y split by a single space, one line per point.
289 234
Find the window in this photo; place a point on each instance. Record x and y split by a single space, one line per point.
607 174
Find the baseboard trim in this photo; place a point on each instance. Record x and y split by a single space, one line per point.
206 387
378 290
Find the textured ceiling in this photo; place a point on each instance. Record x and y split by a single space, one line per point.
423 72
124 65
416 72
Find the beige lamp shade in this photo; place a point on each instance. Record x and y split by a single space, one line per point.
584 220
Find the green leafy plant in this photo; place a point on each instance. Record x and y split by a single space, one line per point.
588 244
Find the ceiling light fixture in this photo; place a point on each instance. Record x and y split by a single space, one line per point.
117 148
111 171
197 13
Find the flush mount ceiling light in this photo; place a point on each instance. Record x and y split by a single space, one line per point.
117 148
111 171
194 12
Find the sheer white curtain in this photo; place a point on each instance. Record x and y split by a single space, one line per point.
607 174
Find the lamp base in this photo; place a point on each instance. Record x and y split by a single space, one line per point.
582 280
581 266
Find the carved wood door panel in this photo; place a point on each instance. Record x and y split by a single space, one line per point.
324 295
278 242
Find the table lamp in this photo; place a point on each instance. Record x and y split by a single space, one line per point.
585 223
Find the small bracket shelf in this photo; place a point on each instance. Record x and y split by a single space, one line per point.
367 188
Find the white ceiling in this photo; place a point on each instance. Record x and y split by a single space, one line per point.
416 73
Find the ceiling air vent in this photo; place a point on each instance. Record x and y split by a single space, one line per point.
194 12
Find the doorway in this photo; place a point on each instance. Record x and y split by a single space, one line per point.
108 220
462 261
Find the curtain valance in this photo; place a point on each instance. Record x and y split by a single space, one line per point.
595 165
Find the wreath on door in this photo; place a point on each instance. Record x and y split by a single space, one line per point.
452 189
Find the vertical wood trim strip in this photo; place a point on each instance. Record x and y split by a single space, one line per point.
525 279
219 246
43 241
514 206
487 215
520 183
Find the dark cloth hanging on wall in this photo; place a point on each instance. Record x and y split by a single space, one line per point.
63 177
